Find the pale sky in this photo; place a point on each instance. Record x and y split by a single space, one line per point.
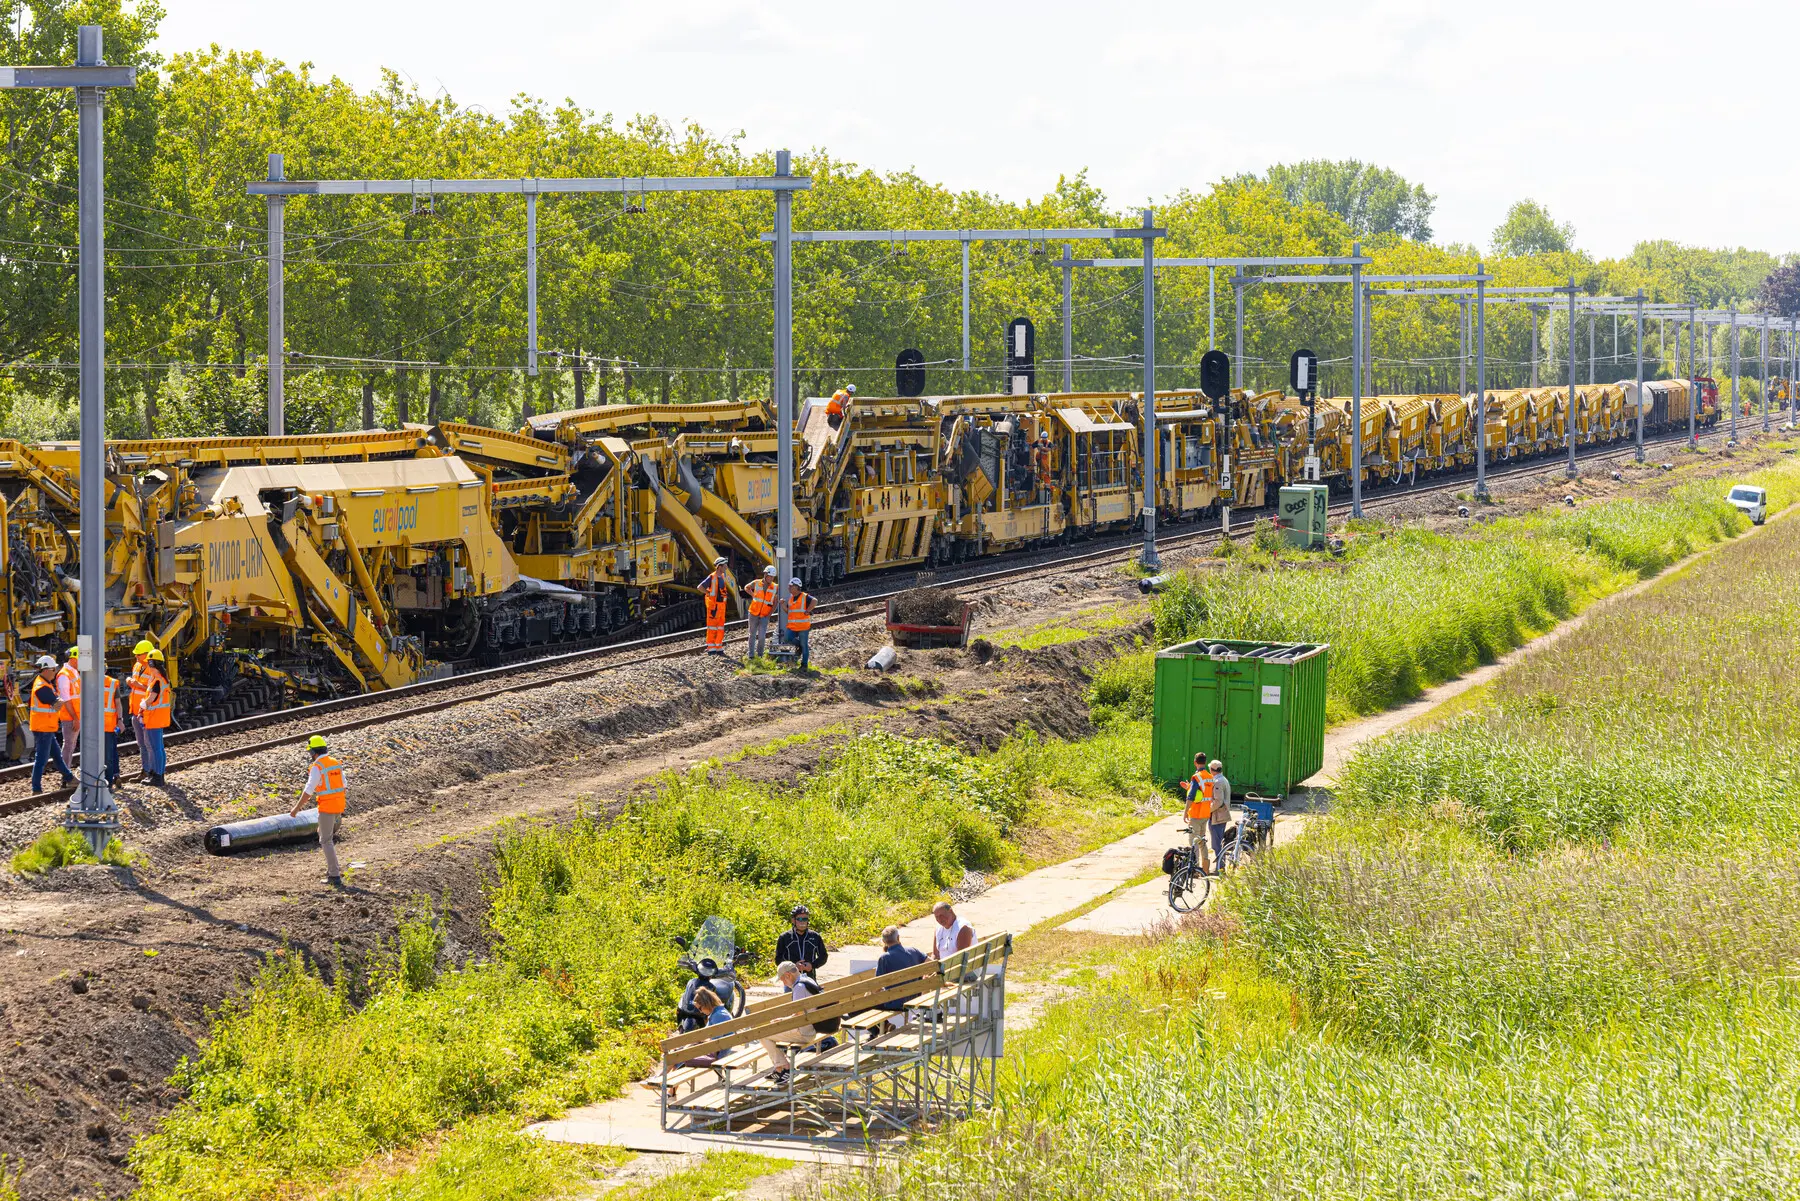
1629 121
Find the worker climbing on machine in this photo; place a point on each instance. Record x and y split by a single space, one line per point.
68 696
761 592
715 590
840 401
158 708
325 787
45 724
799 622
1199 811
1040 461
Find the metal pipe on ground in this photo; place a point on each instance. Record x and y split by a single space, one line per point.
258 832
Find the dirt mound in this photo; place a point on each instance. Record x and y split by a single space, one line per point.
928 607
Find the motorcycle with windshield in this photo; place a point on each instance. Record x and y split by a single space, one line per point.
711 960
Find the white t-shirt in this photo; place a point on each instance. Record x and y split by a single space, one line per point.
947 938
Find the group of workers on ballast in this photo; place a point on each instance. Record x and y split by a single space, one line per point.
715 590
800 953
1208 811
55 724
55 715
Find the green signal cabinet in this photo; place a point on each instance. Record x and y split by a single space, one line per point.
1300 511
1257 707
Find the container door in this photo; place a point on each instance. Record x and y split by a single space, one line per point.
1203 718
1239 731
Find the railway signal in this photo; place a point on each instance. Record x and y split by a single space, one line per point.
909 373
1303 376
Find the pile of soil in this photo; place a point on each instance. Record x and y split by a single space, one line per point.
928 607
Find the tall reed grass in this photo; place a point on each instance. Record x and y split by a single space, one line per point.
1416 608
1669 720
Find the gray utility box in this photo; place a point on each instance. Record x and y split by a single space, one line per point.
1300 514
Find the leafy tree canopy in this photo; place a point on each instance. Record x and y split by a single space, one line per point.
1373 200
1529 229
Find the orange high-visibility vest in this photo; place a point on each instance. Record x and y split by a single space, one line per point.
159 701
800 612
139 684
762 597
1200 808
71 710
112 704
43 716
332 792
713 588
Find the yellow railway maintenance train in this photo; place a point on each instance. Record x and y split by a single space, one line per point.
273 571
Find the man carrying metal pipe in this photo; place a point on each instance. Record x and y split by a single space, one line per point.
325 787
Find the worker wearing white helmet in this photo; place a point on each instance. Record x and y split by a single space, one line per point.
799 622
715 590
45 727
761 592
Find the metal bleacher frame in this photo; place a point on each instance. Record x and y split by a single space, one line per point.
941 1065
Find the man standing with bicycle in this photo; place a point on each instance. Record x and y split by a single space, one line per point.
1221 813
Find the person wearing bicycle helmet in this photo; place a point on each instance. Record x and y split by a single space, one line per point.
800 944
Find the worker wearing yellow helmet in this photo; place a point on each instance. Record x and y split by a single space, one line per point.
325 787
136 684
68 701
158 711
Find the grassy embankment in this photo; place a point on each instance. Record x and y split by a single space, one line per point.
414 1083
1546 950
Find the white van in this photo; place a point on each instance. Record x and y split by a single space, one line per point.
1752 501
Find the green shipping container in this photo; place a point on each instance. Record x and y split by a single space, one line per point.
1257 707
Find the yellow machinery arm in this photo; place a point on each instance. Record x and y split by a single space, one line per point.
391 665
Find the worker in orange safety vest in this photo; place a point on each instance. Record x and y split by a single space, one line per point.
715 590
799 621
158 710
761 592
68 693
1199 810
325 788
45 724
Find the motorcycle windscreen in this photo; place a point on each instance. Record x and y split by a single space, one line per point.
716 941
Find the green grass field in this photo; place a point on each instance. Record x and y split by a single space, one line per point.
1547 950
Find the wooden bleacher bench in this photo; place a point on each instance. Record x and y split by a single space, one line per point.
937 998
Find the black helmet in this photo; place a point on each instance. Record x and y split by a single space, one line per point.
798 912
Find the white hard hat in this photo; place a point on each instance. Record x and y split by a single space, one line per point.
769 571
850 388
795 582
45 661
719 562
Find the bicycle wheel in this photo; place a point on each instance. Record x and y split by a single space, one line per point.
1188 887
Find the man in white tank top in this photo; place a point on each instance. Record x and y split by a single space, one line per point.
952 935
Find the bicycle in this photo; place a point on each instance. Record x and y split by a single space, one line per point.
1189 887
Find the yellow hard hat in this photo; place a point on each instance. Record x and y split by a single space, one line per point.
156 655
73 651
144 647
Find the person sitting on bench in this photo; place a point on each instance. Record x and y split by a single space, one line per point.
896 958
712 1013
802 988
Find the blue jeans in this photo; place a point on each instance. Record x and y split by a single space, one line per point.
112 756
153 755
803 640
48 751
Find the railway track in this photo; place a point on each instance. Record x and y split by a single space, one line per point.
239 737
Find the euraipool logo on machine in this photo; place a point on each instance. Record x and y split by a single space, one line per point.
397 519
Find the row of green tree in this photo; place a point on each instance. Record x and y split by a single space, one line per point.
413 308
